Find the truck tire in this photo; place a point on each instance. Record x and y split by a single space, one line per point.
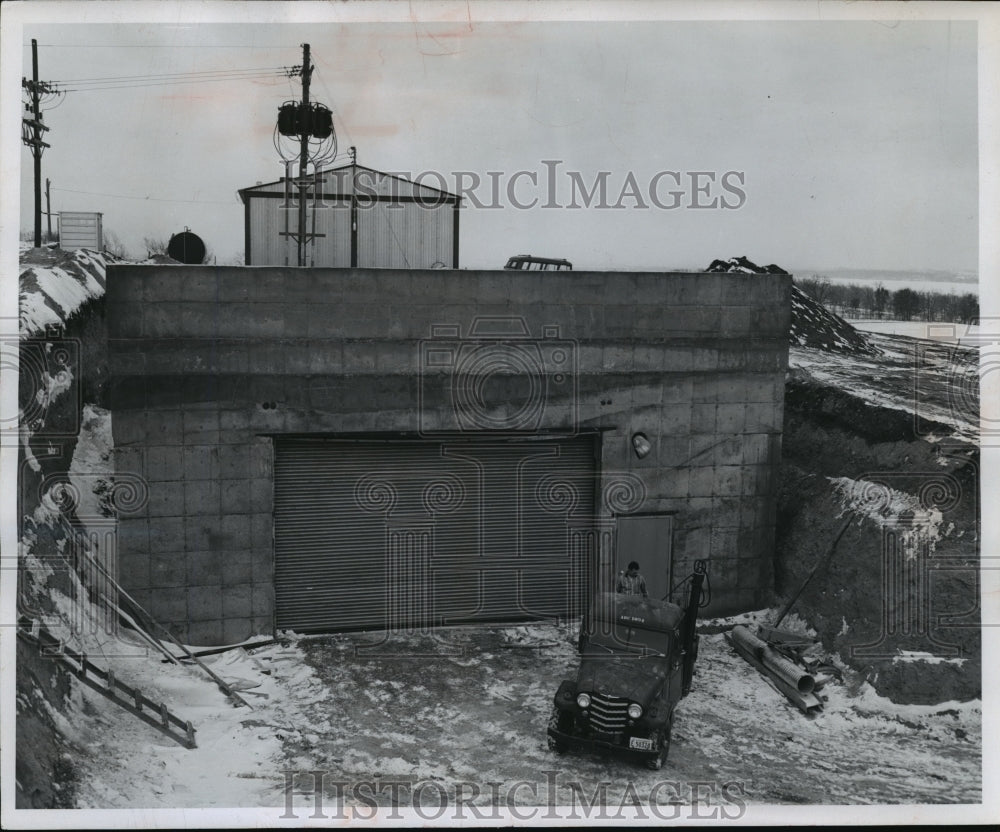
656 761
558 721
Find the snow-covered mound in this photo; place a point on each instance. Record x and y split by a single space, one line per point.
54 284
744 266
813 325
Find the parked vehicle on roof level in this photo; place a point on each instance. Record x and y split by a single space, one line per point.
526 261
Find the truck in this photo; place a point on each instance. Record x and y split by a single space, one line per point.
637 660
531 263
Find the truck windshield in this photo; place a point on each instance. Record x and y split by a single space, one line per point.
626 639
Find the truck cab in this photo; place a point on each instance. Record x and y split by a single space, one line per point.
636 662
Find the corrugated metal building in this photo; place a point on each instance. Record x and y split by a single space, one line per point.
359 217
80 229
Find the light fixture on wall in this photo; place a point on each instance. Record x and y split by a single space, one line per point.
641 444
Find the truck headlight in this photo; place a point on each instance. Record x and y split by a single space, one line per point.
583 700
634 711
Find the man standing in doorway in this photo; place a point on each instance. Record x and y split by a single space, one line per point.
631 582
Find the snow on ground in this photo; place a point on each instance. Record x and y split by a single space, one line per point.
939 382
129 764
967 334
922 656
469 705
54 284
885 505
862 748
476 712
90 468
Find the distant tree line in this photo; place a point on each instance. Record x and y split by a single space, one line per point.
855 300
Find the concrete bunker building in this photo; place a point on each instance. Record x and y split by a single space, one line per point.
359 448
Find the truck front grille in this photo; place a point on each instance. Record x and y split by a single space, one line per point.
608 713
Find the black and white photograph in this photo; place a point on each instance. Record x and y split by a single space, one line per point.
498 414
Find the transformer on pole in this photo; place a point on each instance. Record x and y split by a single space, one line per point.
310 125
32 128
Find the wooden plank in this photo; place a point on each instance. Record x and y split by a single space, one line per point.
774 636
223 686
104 683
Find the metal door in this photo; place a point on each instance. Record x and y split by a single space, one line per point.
404 533
646 538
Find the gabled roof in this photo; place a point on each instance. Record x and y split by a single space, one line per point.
402 186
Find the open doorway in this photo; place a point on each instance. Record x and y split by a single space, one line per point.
647 539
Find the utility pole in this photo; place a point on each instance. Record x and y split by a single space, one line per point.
48 210
304 121
31 133
304 153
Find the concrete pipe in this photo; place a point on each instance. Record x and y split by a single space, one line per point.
775 662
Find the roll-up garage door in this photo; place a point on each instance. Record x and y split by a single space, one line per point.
400 534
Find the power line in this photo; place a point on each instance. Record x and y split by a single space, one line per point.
163 75
163 84
145 198
164 46
333 106
133 84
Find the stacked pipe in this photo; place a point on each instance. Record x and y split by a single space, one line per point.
773 660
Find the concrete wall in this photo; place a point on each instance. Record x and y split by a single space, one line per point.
207 363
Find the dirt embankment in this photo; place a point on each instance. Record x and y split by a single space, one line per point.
880 453
898 597
60 369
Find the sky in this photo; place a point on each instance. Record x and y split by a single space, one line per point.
810 144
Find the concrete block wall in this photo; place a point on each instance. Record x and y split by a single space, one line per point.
208 363
200 557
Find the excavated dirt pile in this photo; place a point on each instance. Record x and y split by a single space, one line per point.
880 488
880 450
813 325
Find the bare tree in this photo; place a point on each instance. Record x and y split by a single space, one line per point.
154 245
820 288
881 299
114 246
968 309
905 303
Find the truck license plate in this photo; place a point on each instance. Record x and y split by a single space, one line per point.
640 743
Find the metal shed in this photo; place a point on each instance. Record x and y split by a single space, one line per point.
80 229
356 217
